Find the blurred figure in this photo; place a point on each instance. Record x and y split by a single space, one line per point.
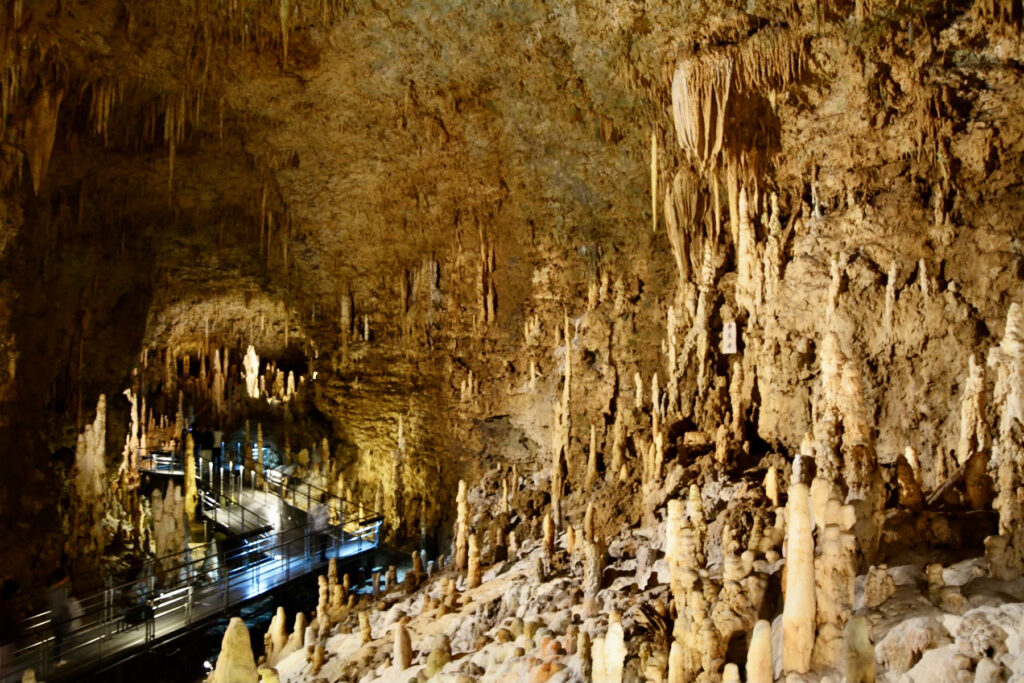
57 593
318 525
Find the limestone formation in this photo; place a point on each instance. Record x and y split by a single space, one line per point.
168 529
760 666
296 641
191 493
461 528
835 571
252 371
285 227
276 638
473 565
973 432
89 488
800 610
858 655
403 647
591 475
365 633
235 663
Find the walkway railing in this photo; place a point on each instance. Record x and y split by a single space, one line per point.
174 591
122 617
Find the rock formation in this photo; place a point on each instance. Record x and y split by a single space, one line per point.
235 663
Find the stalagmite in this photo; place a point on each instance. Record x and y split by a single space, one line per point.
218 385
473 569
561 432
771 486
698 335
403 646
548 527
128 473
773 252
1007 360
593 567
695 513
252 371
973 428
319 656
89 488
365 634
461 528
907 479
191 493
672 364
676 664
859 655
235 663
277 637
614 650
799 611
760 668
835 571
748 262
297 639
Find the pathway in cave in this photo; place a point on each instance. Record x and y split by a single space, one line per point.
249 572
272 547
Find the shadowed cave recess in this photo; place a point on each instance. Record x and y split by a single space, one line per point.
659 341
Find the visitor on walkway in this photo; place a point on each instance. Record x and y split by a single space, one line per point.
10 628
318 525
57 594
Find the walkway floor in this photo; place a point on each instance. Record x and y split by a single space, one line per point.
204 582
104 641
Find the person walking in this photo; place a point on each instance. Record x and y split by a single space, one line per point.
318 525
57 594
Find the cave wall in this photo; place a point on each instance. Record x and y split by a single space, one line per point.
467 181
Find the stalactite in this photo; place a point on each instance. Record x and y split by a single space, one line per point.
701 86
773 252
748 261
890 299
284 14
40 131
591 475
654 180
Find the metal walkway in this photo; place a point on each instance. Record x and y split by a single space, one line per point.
173 593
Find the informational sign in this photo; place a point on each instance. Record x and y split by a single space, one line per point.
729 337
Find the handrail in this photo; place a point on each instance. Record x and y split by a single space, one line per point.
184 570
257 565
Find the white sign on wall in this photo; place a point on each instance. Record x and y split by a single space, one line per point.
729 337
